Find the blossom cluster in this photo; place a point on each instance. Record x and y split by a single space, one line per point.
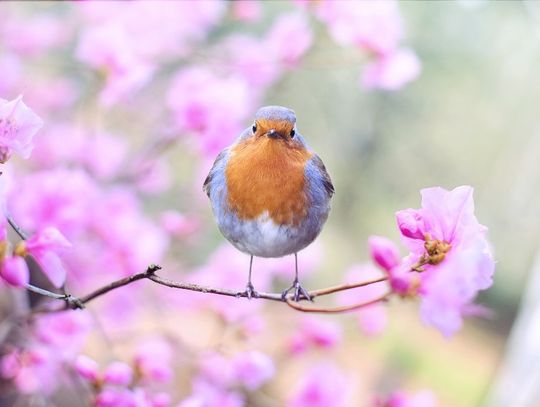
449 262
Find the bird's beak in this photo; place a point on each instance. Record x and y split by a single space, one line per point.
273 134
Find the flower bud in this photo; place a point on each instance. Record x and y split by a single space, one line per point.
383 252
118 373
15 271
410 223
87 368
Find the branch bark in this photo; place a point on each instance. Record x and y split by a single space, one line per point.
71 302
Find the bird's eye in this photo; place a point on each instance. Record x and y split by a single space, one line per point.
292 133
254 128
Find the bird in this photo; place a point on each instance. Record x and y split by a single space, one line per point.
269 192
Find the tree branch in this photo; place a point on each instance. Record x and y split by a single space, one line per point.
74 302
71 302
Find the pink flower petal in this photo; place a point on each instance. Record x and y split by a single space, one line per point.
18 125
87 368
15 271
118 373
52 267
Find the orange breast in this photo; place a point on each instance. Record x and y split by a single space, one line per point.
267 175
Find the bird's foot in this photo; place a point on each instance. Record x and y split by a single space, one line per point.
299 292
250 291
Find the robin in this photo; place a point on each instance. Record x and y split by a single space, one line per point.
269 192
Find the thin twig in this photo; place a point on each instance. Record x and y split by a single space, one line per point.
120 283
343 287
212 290
16 227
46 293
337 310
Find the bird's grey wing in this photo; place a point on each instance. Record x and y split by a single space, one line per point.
319 171
218 165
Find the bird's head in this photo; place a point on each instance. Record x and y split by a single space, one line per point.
275 122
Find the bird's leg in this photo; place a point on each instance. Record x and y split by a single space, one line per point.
299 291
250 290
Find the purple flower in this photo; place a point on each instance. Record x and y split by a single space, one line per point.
153 361
18 125
423 398
315 332
391 71
211 107
15 271
384 252
45 246
280 46
87 368
323 385
118 373
253 369
373 25
449 249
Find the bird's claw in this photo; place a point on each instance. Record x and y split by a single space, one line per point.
299 292
250 291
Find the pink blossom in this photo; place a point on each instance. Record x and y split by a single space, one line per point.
103 154
253 369
373 25
121 397
216 369
61 198
87 368
45 246
109 48
118 373
178 224
247 10
52 94
321 386
261 61
59 144
247 59
153 360
154 178
212 108
15 271
64 332
207 395
392 71
454 253
253 325
19 33
18 125
371 319
130 238
34 370
410 224
384 252
12 73
160 400
289 26
181 24
424 398
315 332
